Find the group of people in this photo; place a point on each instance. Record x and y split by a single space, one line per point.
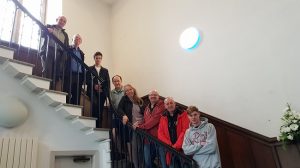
184 130
63 65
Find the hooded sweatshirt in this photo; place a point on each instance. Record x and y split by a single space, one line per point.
201 143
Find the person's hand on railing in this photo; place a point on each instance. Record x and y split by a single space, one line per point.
135 125
98 87
124 119
50 30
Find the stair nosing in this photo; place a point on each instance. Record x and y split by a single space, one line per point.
88 118
55 91
101 129
8 48
48 90
33 76
71 105
20 62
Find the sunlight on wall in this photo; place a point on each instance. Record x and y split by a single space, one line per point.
54 9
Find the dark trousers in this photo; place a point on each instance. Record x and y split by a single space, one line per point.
52 64
97 109
73 86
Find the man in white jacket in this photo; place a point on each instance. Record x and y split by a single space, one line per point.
200 140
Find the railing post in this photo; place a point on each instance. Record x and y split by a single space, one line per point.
14 23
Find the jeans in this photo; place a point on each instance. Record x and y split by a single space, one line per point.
150 153
175 162
162 157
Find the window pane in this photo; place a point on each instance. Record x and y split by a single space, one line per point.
6 19
29 31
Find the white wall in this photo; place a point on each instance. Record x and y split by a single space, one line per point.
244 71
54 132
90 19
54 9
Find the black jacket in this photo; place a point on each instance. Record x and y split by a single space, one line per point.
105 82
45 38
125 108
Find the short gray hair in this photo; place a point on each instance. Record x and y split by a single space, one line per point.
168 98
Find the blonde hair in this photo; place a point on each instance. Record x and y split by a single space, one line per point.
136 98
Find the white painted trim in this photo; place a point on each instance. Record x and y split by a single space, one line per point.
33 83
93 153
7 53
52 97
69 110
85 122
22 68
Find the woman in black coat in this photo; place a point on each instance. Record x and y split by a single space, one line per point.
131 109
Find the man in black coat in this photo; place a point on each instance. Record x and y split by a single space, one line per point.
98 90
52 54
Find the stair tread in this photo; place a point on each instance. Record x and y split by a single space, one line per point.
101 129
72 105
8 48
88 118
81 117
3 59
21 75
51 91
17 61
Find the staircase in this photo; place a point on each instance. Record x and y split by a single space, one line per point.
21 73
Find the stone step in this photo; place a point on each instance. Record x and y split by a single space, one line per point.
86 121
101 134
69 110
50 97
13 67
6 52
32 82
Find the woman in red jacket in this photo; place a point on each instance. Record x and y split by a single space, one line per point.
172 127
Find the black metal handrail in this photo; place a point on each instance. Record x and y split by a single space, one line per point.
65 48
168 148
144 134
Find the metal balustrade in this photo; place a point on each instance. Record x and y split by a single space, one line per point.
30 51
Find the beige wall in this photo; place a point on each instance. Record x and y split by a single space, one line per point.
244 71
91 19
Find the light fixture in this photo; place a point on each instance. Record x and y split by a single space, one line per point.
189 38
